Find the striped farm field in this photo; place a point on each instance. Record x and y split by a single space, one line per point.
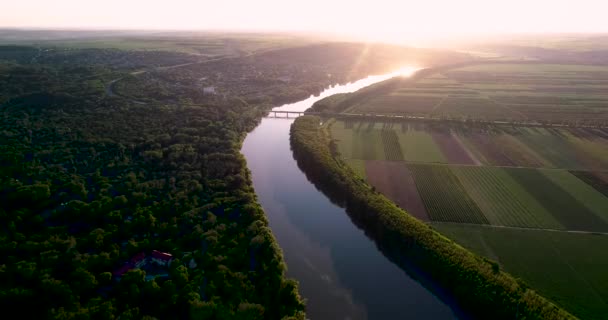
504 146
395 181
486 149
519 153
392 148
597 180
453 150
585 194
502 200
566 209
568 268
593 152
443 195
550 145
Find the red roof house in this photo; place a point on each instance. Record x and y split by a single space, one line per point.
138 260
161 258
122 270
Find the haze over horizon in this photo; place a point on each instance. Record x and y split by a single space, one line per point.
383 20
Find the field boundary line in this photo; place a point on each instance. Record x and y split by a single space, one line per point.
439 104
518 228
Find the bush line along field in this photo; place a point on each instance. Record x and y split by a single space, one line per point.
530 198
478 285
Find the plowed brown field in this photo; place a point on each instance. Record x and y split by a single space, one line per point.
394 180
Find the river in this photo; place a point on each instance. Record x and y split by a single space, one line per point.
341 272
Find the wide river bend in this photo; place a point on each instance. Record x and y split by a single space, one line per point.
342 274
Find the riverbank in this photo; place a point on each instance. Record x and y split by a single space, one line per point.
476 284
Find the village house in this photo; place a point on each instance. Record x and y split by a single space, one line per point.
161 258
141 261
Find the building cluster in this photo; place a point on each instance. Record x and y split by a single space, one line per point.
156 259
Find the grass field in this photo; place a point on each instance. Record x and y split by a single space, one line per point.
503 91
568 268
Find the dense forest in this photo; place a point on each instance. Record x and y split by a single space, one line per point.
477 284
91 183
87 182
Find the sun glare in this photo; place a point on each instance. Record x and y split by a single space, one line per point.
379 20
406 71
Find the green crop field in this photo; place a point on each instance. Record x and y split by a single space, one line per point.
590 198
595 151
376 141
552 146
367 145
503 91
443 195
569 268
343 138
418 146
566 209
502 200
597 180
392 149
563 148
533 198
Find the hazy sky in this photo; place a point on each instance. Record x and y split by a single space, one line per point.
375 18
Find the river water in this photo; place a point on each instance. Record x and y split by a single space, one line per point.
341 272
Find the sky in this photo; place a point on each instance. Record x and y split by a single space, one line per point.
375 19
